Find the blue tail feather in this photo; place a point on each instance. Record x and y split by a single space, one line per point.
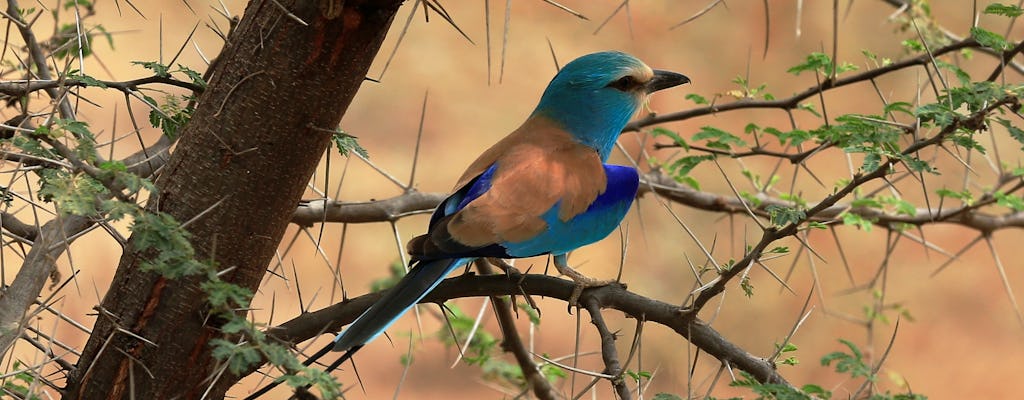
420 280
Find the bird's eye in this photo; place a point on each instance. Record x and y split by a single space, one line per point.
624 84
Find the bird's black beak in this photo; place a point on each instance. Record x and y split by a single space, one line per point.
665 79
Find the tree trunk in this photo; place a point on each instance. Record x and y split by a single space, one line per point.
277 91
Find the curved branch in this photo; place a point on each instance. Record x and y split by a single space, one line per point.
36 52
614 296
12 224
794 101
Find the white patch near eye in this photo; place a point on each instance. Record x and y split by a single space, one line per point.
641 73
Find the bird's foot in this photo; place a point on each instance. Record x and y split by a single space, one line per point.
582 282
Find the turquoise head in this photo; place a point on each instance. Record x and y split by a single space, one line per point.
594 96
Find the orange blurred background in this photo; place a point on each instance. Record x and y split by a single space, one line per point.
963 340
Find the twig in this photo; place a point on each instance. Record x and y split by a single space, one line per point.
608 353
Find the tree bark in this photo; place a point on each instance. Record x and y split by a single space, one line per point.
256 137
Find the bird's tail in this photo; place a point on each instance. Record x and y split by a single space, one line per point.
420 280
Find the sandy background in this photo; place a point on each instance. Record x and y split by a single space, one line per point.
963 340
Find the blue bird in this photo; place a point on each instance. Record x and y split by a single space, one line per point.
543 189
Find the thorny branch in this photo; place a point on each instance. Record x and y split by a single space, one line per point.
17 88
612 366
974 121
613 296
513 343
793 102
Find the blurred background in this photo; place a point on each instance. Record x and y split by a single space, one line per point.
958 335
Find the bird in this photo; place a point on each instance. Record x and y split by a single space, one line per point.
543 189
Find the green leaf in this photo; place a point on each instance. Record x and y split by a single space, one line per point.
773 391
34 147
918 165
795 137
871 162
816 391
814 61
965 196
898 106
816 225
912 45
903 207
782 216
157 68
79 128
794 198
868 202
778 250
852 363
86 79
809 108
69 4
682 166
666 396
1015 203
1015 132
961 75
1004 10
820 62
195 77
696 98
678 140
989 39
718 139
224 294
857 220
347 143
530 313
748 288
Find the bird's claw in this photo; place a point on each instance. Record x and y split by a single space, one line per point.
582 282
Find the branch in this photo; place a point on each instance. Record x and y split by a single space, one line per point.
36 51
50 243
51 240
794 101
608 353
902 5
614 296
311 212
974 122
512 343
967 216
12 224
18 88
